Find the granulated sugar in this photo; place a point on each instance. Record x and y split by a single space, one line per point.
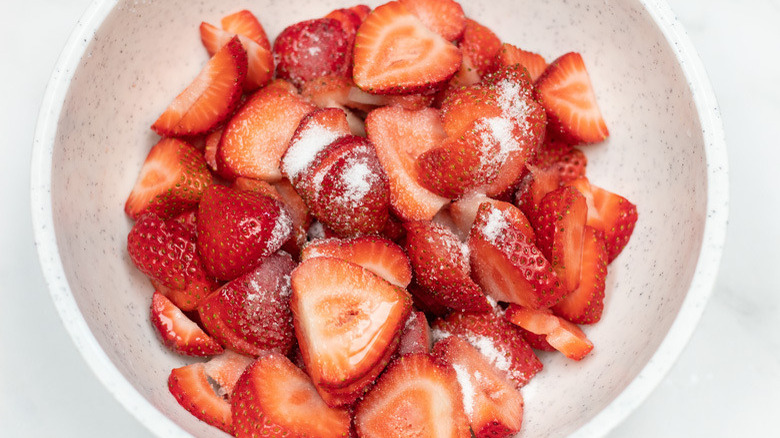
495 225
466 388
304 149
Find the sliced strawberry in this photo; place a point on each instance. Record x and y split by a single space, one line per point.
464 212
178 332
493 128
510 55
251 313
493 405
256 137
536 183
395 53
172 180
225 370
347 320
350 21
362 11
480 45
568 162
400 136
260 61
611 213
316 131
444 17
237 228
204 389
186 299
210 98
245 23
507 264
561 334
425 301
415 336
501 343
377 254
332 91
441 266
566 93
414 397
394 230
560 224
585 304
210 149
165 251
275 398
299 212
311 49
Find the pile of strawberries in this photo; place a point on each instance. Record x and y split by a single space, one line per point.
370 225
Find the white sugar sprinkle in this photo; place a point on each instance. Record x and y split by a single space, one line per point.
488 349
466 388
495 225
304 149
281 231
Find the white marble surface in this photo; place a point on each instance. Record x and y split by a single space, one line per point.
725 384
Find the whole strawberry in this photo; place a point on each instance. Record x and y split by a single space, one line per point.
237 228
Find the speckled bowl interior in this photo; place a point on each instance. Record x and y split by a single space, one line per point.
128 59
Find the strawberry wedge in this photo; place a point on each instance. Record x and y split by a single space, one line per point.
260 60
210 98
561 334
395 53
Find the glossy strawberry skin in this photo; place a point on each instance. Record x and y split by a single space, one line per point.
310 49
237 228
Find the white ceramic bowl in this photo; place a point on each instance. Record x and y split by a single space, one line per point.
127 59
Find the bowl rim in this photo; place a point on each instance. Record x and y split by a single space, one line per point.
615 412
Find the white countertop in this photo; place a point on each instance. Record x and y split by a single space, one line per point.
725 384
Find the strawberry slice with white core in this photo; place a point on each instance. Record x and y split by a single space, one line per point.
400 136
260 61
346 318
491 401
172 180
245 23
275 398
210 98
414 397
561 334
395 53
566 93
258 134
416 335
178 332
226 369
377 254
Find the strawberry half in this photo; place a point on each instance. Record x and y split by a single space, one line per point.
178 332
444 17
311 49
166 252
172 180
560 223
561 334
395 53
464 212
609 212
237 228
377 254
257 136
193 386
245 23
400 137
507 264
260 61
585 304
275 398
501 343
493 405
441 266
210 98
347 321
350 189
251 314
566 93
414 397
